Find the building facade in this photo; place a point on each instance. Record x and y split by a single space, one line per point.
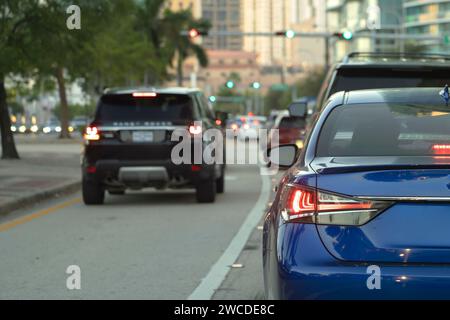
224 15
194 5
222 64
428 18
279 15
346 15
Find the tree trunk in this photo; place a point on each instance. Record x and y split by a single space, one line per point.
64 116
9 150
180 70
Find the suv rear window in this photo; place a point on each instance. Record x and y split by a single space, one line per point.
385 130
349 79
173 108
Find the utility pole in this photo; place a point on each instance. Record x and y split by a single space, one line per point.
327 36
327 45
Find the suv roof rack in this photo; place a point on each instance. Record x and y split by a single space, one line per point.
389 56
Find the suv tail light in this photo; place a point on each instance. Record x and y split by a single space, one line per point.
195 129
145 94
92 134
307 205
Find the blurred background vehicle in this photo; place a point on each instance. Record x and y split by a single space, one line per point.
234 124
250 126
361 70
291 130
23 124
53 126
79 123
272 118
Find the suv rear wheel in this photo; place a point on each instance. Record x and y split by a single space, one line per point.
220 183
116 192
93 193
206 191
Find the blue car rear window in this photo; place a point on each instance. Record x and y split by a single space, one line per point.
385 130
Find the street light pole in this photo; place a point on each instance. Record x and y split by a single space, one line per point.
327 45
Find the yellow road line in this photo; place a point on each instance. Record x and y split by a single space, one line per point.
41 213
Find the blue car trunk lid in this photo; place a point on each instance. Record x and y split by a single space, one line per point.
414 229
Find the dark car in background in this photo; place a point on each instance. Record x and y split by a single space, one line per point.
290 130
129 145
385 70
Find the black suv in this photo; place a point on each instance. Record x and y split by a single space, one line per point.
360 71
129 144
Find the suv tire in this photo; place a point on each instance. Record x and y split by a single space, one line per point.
93 193
116 192
206 191
220 183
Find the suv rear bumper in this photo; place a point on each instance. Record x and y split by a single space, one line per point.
154 173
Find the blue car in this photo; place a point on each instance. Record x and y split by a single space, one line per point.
363 211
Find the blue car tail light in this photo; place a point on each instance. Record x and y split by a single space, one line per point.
308 205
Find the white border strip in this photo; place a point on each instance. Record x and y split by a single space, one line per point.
220 269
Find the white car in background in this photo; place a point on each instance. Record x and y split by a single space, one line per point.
250 127
54 126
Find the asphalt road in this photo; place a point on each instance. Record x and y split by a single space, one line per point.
144 245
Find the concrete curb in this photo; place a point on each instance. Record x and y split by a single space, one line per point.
26 201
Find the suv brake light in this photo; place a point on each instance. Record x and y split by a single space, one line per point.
307 205
195 129
145 94
91 134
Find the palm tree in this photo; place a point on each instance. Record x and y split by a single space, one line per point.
149 21
182 47
163 30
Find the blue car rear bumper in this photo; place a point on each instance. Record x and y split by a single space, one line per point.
302 268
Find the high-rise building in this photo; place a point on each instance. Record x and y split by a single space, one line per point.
279 15
194 5
224 15
428 18
353 15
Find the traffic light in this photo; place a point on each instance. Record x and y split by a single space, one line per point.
256 85
447 40
194 33
346 35
212 99
230 84
290 34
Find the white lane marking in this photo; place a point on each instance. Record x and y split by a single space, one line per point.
220 269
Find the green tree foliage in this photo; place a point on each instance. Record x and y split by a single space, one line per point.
16 18
274 100
163 27
121 42
308 86
182 47
76 110
122 54
61 52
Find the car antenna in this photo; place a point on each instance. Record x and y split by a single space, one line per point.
445 94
